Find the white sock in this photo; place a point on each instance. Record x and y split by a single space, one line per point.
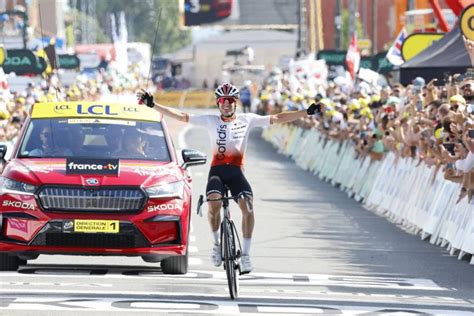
215 235
246 246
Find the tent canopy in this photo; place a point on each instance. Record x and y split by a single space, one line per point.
444 57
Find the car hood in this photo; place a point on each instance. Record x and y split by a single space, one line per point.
131 173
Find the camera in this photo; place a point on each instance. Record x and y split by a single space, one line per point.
449 147
471 133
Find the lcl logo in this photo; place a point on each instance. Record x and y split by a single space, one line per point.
95 109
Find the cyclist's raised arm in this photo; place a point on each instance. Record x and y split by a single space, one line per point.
286 117
146 98
290 116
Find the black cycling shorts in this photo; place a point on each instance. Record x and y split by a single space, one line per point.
230 176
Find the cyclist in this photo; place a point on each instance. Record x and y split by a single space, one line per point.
229 133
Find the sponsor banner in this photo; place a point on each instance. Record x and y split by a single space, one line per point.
67 61
22 61
95 110
92 166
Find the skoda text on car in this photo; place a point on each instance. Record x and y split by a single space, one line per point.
96 179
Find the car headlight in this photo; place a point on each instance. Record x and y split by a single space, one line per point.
169 190
15 187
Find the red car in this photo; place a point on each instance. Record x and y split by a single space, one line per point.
96 179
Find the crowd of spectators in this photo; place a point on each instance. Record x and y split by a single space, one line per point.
429 123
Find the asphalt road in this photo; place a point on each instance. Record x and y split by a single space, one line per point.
314 251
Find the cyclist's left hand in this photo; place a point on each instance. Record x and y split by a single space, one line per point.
145 97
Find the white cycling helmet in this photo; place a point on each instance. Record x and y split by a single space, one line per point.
227 90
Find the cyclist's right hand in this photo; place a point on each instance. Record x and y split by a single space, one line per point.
145 97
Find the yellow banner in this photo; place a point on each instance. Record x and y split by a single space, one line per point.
95 110
418 42
190 99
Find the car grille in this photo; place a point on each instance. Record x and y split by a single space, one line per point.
81 199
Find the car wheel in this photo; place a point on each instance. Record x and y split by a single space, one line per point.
175 265
10 263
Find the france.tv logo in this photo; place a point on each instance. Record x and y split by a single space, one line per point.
92 166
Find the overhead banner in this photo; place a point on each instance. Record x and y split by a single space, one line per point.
418 42
235 14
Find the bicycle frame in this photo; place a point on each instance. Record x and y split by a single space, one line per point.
231 248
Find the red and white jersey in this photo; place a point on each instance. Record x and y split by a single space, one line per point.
229 139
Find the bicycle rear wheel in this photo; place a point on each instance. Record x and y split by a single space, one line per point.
230 259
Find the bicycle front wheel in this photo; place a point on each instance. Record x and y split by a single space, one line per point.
230 259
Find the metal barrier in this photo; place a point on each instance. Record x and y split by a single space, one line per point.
413 196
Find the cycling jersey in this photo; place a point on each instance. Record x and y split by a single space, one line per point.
229 139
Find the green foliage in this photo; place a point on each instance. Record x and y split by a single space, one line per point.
142 18
95 33
345 29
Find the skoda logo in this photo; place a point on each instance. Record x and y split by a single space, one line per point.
92 181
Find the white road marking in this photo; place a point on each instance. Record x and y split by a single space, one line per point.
406 284
209 306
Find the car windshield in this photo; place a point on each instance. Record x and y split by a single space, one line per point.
94 138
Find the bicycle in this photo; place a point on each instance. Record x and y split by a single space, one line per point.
231 249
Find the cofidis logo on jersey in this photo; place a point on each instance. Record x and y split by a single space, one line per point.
221 142
92 166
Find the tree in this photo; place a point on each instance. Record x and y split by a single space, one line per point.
345 29
142 18
93 32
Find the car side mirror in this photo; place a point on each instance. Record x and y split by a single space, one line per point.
3 152
193 157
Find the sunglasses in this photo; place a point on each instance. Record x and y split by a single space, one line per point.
222 100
